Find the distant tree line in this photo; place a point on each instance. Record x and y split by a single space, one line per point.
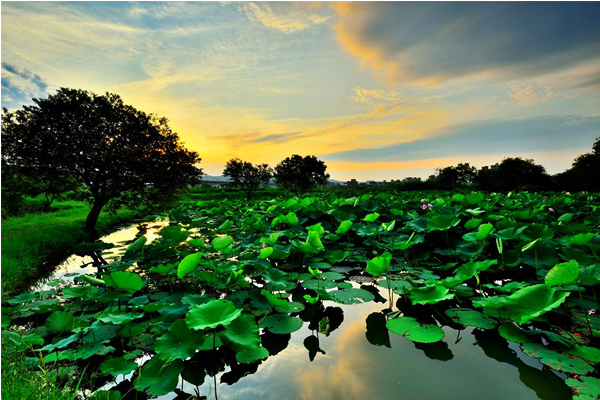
516 174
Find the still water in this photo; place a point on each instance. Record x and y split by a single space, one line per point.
358 358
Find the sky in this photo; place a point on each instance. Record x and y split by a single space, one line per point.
378 90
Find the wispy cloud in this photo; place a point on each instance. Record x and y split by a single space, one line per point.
371 96
20 85
528 94
285 17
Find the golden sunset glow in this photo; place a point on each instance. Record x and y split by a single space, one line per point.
367 87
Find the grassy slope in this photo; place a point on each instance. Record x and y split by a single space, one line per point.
30 240
27 242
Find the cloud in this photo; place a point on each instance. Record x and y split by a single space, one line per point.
285 17
528 94
486 137
370 96
433 43
19 85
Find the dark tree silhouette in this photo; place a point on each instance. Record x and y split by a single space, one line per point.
514 174
110 147
299 174
247 176
450 177
585 172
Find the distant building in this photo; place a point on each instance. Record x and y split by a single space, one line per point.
352 183
431 176
495 166
485 168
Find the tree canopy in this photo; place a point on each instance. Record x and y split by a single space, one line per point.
299 173
110 147
246 176
462 174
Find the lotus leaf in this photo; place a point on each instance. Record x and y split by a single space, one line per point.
351 296
442 222
513 333
532 301
158 376
415 331
222 242
241 334
210 315
281 323
117 366
252 355
188 264
585 387
472 318
124 280
344 227
432 295
563 273
558 361
179 341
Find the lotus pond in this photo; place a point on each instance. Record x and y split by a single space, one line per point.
380 296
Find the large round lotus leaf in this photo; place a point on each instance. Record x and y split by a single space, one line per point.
415 331
265 252
533 301
582 239
158 377
281 323
563 273
344 227
124 280
117 366
106 395
59 322
212 314
188 264
221 242
511 332
316 284
558 361
591 354
277 277
252 355
337 256
179 341
118 317
442 222
585 387
430 296
472 318
242 333
351 296
85 292
275 301
539 255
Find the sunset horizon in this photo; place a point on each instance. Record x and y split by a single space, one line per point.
379 91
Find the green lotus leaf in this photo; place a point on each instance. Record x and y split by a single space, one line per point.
124 280
510 233
275 301
430 296
292 219
539 254
532 301
59 322
314 240
558 361
442 222
281 323
92 280
179 341
221 242
482 233
585 387
106 395
84 292
137 245
591 354
278 279
198 242
470 249
242 333
158 376
252 355
188 264
473 223
472 318
513 333
265 252
117 317
210 315
5 321
337 256
344 227
379 265
582 239
351 296
537 231
117 366
371 217
563 273
590 275
162 269
415 331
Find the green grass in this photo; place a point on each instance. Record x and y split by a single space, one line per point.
21 383
29 241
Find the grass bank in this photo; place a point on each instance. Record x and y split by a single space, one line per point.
29 241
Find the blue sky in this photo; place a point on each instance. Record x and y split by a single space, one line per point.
378 90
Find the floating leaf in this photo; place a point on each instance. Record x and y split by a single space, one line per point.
472 318
210 315
511 332
241 334
281 323
415 331
351 296
179 341
558 361
430 296
585 387
117 366
252 355
158 377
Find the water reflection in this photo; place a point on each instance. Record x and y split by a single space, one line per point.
359 359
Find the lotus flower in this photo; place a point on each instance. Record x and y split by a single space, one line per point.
264 244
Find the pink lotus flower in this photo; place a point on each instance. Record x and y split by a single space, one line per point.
424 207
550 209
429 205
264 244
423 200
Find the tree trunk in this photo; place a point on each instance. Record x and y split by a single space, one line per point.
92 218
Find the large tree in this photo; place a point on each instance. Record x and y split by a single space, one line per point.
246 176
451 177
299 173
585 172
109 146
514 174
